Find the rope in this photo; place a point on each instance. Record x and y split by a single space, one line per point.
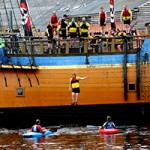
26 75
6 10
39 10
16 75
5 79
1 21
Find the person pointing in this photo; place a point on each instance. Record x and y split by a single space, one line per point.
74 85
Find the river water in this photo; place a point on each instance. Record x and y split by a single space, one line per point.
78 138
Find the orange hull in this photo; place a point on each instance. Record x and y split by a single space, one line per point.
104 86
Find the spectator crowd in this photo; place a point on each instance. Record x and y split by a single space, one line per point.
65 27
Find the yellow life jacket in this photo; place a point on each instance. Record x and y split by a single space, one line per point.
84 27
72 27
120 34
74 82
105 41
59 30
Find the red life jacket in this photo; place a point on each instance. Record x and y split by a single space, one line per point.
35 128
74 80
54 19
102 15
125 13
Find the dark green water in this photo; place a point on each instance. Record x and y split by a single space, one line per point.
78 138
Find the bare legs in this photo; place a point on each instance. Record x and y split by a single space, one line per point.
75 97
103 29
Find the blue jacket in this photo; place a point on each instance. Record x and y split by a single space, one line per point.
109 125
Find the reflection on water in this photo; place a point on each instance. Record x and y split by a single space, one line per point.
78 138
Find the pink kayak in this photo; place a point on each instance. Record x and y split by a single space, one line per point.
108 131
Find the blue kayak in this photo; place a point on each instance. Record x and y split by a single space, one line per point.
36 134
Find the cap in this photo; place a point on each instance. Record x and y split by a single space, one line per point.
38 121
108 117
64 15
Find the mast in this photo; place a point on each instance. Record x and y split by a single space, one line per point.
6 11
112 14
13 12
1 21
10 21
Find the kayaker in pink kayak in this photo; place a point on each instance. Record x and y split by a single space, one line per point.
108 124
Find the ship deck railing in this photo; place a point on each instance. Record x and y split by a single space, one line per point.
78 46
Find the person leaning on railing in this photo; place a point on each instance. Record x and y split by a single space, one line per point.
49 33
105 42
14 43
2 48
119 41
59 32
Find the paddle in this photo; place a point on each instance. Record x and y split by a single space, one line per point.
123 127
92 126
53 129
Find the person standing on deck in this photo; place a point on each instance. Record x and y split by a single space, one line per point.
126 17
54 22
37 127
102 19
74 85
49 32
108 124
59 32
84 28
63 25
72 28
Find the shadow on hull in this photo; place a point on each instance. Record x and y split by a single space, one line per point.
128 114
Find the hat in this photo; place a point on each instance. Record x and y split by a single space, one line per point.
64 15
108 118
74 73
38 121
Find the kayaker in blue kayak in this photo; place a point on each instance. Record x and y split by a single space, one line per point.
108 124
37 127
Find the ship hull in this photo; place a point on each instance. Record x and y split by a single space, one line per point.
122 114
117 85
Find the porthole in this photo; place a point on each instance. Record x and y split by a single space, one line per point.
131 87
20 91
